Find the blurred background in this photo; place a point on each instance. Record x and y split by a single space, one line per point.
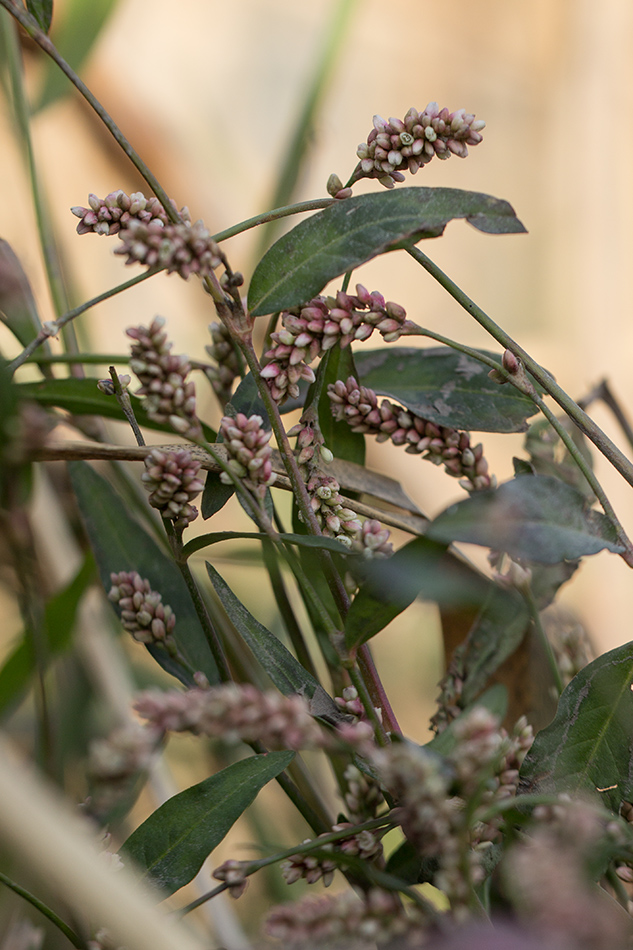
210 93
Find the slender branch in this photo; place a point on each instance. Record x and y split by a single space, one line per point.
603 392
53 328
317 204
593 432
528 596
44 909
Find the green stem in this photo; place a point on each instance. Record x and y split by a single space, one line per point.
317 204
368 705
45 910
593 432
38 36
603 392
316 845
42 215
53 328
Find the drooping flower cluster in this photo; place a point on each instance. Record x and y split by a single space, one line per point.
397 145
250 455
313 867
358 406
184 249
114 213
148 236
169 396
173 482
228 366
347 922
430 791
232 872
310 331
143 613
234 713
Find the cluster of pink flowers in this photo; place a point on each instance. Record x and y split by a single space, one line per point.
148 236
227 368
334 519
312 330
250 455
117 210
234 712
170 397
346 920
397 145
173 482
312 868
358 406
143 613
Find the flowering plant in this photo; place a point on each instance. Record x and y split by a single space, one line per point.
432 844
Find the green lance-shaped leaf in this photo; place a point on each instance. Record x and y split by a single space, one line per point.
535 517
339 438
288 675
350 232
448 388
121 544
59 620
18 310
172 844
587 748
215 495
81 397
422 568
42 10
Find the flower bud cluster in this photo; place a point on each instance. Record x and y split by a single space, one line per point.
143 613
184 249
117 210
234 712
114 764
363 796
397 145
233 873
169 396
345 921
222 350
358 406
250 455
173 482
569 641
310 331
334 519
310 442
312 867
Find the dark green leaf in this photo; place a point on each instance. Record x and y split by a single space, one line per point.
215 495
497 632
448 388
407 864
422 568
17 304
75 36
549 456
81 397
59 617
172 844
587 748
288 675
339 438
535 517
121 544
350 232
42 11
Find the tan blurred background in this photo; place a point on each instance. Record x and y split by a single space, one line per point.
208 93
